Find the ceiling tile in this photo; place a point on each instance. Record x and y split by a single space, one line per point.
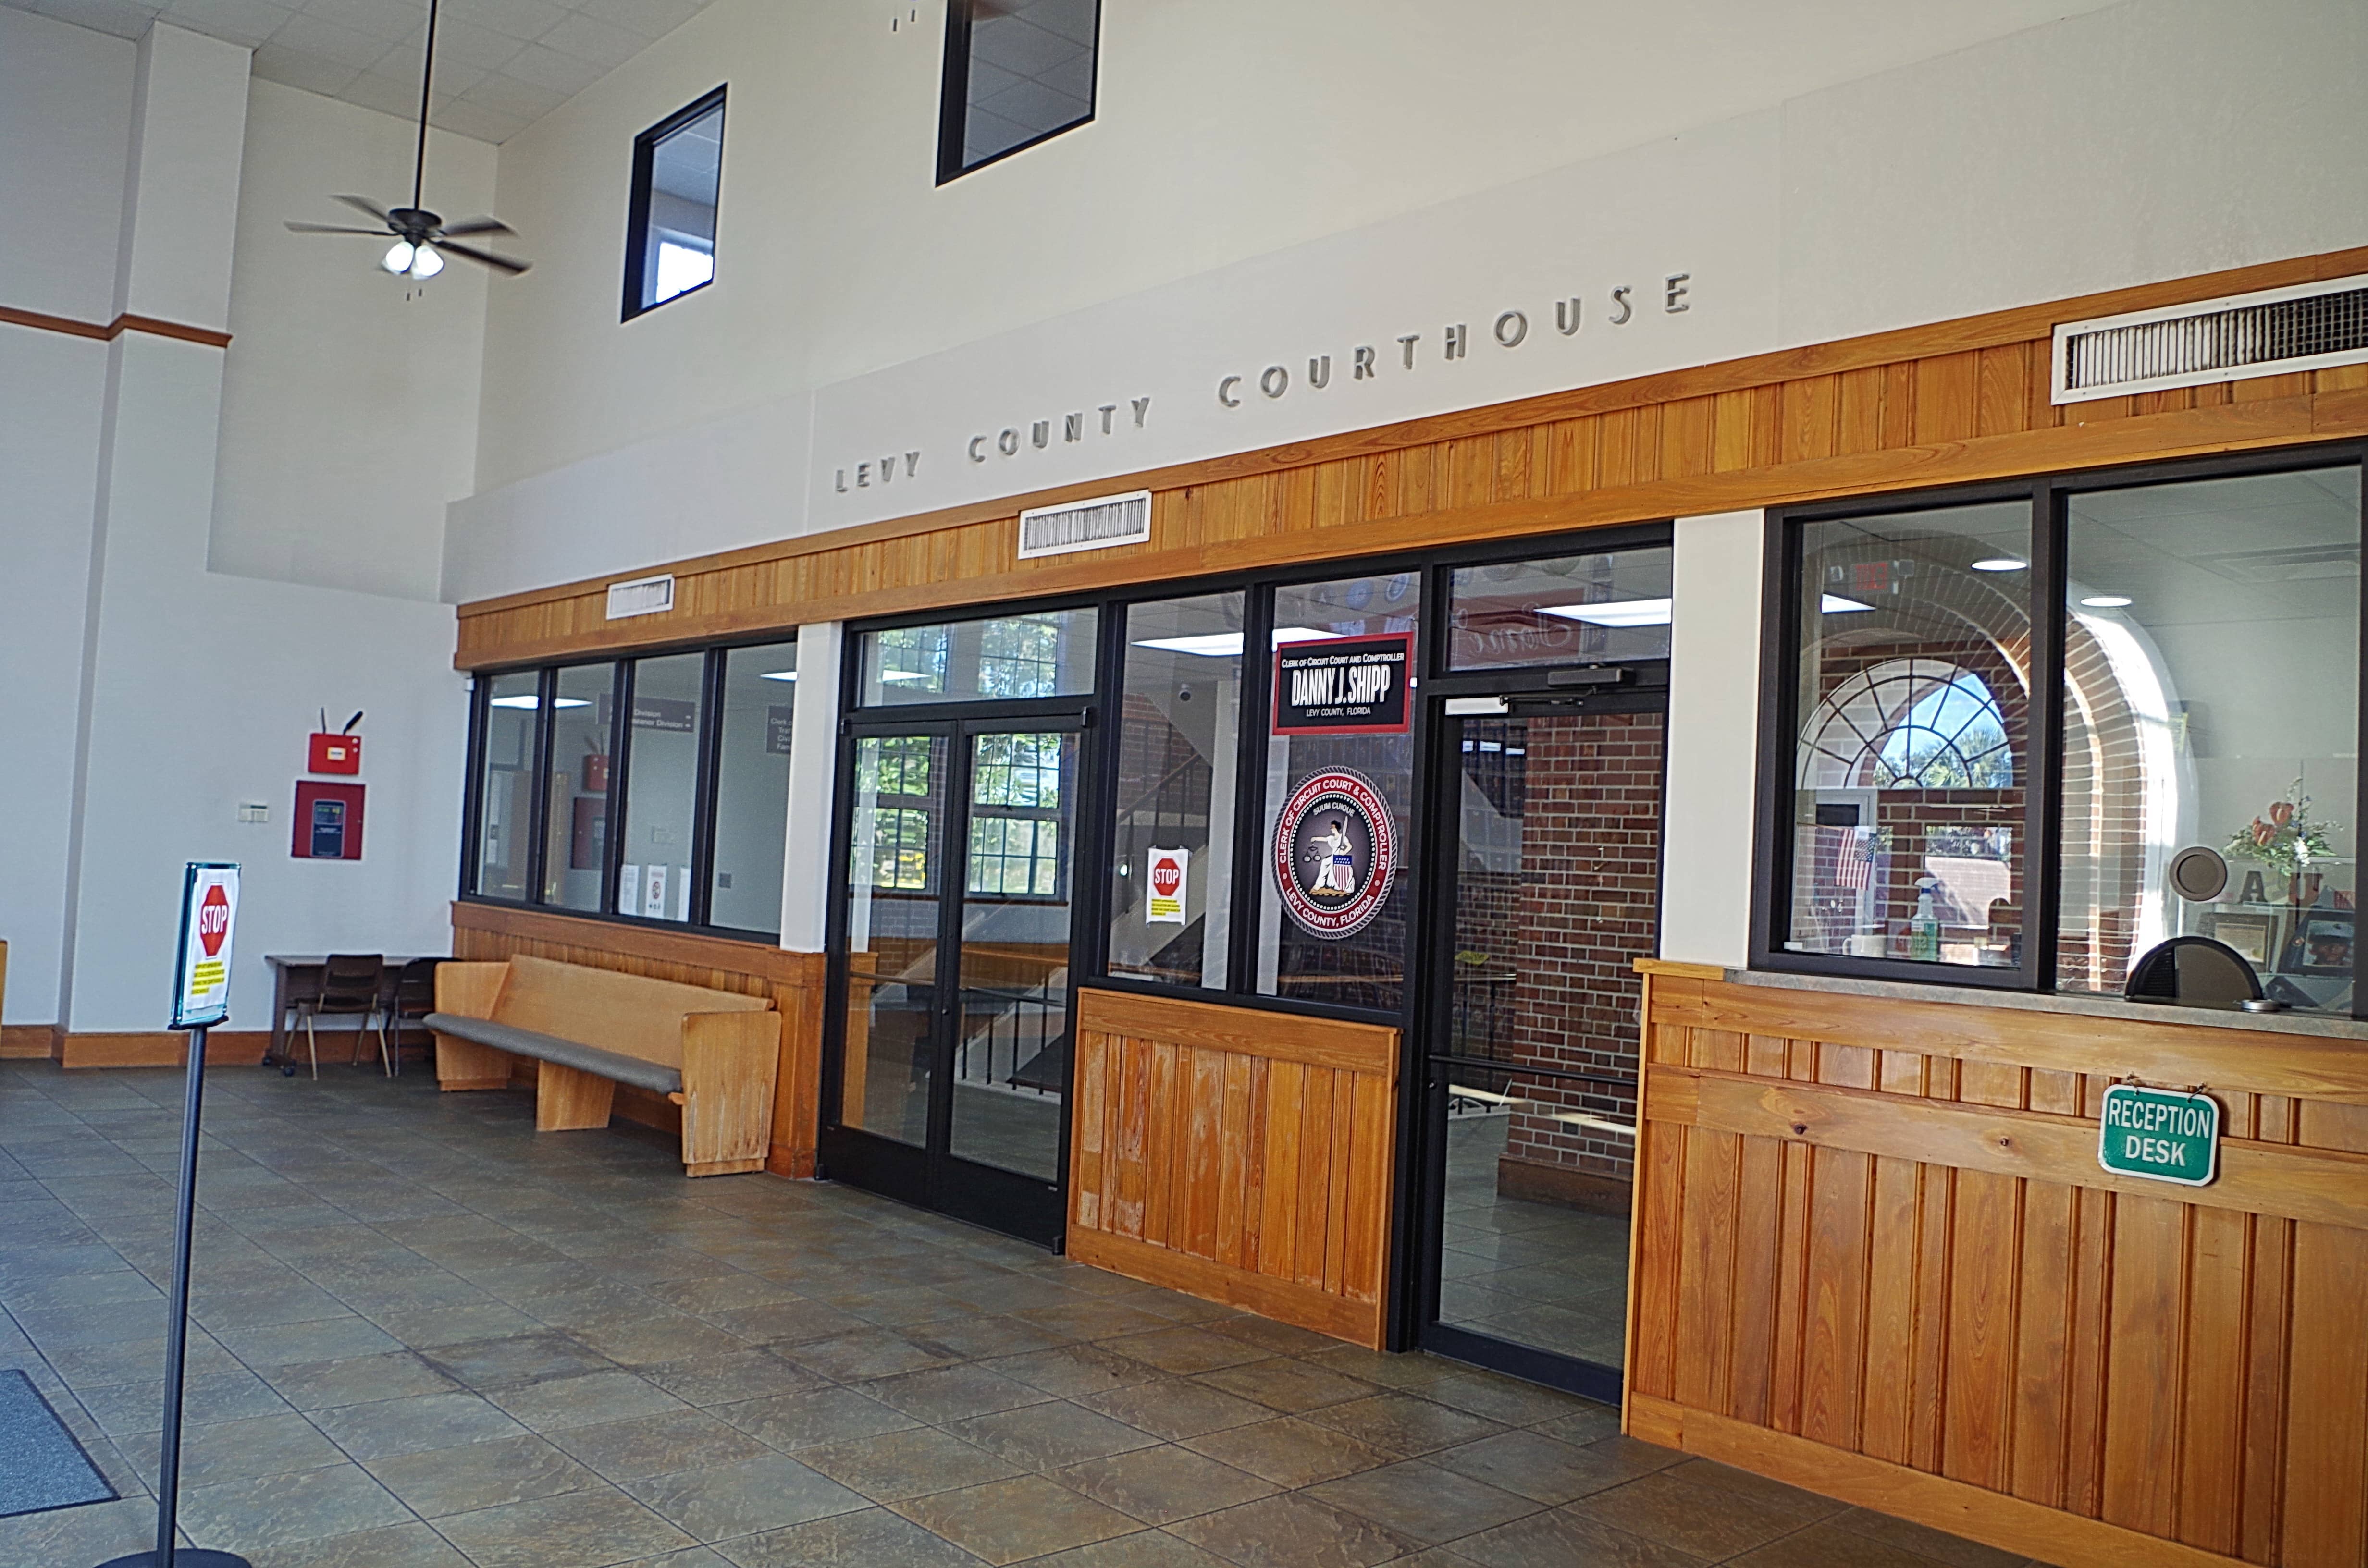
247 22
600 42
546 67
508 95
293 68
650 19
376 18
118 16
523 19
331 41
465 118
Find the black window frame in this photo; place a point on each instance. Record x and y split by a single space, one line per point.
637 210
2049 496
953 96
708 773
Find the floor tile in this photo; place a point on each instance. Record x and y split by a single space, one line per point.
911 1463
480 1476
726 1379
1509 1400
872 1538
70 1538
1424 1502
1045 1436
1008 1521
1182 1351
590 1399
1940 1547
866 1354
327 1385
1293 1531
232 1516
516 1358
651 1340
949 1393
388 1426
653 1445
1546 1469
1176 1408
716 1501
1158 1485
1282 1383
575 1529
1559 1539
1075 1370
1827 1546
1143 1549
1290 1452
392 1546
1403 1424
790 1422
1704 1520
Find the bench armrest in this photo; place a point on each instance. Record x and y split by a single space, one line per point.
728 1063
469 990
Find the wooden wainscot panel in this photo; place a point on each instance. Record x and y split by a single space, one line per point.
1237 1154
793 980
1875 1257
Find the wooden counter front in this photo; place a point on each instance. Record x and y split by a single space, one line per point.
1237 1154
1875 1257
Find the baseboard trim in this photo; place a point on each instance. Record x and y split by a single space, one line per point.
157 1048
27 1042
1285 1301
2009 1524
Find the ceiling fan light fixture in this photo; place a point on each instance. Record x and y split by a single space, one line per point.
399 256
425 263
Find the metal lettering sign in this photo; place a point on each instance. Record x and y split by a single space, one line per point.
1344 686
2160 1134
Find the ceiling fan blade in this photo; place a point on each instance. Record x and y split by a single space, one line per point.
478 226
485 259
361 205
334 229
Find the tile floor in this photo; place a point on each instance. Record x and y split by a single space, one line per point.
427 1338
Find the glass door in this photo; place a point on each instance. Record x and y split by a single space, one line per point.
1549 846
953 1060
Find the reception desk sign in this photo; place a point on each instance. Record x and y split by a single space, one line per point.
2162 1134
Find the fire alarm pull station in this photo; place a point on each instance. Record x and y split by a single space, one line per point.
329 822
335 751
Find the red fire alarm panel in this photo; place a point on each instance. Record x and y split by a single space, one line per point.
329 822
336 754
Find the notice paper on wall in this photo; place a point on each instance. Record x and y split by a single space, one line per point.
629 889
654 889
1165 879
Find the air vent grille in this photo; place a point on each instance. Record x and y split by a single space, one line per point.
2272 333
644 596
1100 524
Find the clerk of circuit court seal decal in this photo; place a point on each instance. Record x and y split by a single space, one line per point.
1334 853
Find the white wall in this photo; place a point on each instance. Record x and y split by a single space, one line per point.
68 92
1713 762
349 397
1337 188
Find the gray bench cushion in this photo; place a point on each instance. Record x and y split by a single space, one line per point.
651 1075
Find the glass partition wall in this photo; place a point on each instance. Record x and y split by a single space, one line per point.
2026 739
651 788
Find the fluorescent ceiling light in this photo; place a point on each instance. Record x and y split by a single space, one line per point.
1614 612
2106 601
906 675
1834 604
526 701
1228 644
2000 563
571 702
778 675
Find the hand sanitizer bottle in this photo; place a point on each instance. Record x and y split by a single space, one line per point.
1924 928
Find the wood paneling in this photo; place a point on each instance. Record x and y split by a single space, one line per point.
1959 1317
109 332
157 1048
793 980
1953 403
1237 1154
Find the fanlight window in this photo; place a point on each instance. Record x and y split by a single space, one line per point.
1908 724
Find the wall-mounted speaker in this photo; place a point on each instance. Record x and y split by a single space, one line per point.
2198 874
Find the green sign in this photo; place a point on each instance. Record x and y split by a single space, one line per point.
2162 1134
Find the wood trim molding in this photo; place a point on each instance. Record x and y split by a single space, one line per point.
1286 1301
2231 1061
2324 1186
157 1048
1250 1032
2186 433
155 327
1993 1519
775 964
27 1042
2021 324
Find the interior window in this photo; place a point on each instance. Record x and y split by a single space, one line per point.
1016 71
677 180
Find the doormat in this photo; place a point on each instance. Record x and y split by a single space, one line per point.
45 1467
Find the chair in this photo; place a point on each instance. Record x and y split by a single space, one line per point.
407 1004
349 988
2196 970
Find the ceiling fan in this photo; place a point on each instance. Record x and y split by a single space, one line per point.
420 236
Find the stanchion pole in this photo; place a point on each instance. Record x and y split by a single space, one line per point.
176 1345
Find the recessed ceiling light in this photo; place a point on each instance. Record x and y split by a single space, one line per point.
2000 563
778 675
2106 601
1614 612
1834 604
571 702
529 700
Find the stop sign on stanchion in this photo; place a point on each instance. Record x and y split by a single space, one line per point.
201 1000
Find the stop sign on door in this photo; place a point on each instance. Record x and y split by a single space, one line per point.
1165 871
213 920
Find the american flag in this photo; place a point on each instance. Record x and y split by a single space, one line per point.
1854 858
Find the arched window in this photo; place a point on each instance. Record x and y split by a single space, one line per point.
1908 724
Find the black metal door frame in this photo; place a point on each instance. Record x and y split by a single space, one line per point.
1443 803
931 1176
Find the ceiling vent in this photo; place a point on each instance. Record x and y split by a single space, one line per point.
1099 523
643 596
2274 332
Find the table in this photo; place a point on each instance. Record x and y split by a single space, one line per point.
296 977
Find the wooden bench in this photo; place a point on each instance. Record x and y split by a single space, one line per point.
714 1053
